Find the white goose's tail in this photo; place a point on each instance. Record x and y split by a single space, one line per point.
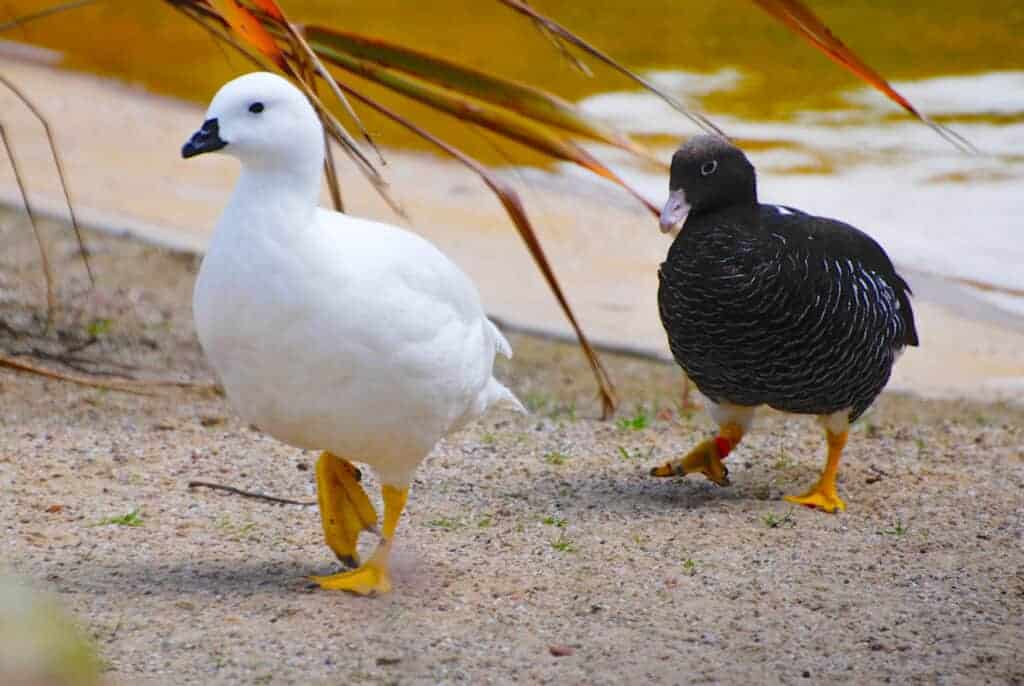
501 343
497 393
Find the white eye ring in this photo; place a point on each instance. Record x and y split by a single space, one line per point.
708 168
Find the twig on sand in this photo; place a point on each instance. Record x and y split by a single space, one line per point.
249 494
876 475
69 358
134 386
82 380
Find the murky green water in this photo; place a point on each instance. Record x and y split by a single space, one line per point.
146 42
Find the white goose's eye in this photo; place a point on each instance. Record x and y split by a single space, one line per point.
708 168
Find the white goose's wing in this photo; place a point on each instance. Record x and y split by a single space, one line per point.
410 291
403 312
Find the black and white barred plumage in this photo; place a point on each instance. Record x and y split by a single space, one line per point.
769 305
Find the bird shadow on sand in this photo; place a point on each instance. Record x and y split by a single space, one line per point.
642 496
203 577
620 495
219 578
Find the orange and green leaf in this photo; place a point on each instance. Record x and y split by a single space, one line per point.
249 28
802 21
530 133
528 101
270 8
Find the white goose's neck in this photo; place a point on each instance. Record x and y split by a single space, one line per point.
276 200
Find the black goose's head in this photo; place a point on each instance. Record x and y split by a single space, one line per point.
708 173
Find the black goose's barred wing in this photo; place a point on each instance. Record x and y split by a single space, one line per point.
802 313
829 239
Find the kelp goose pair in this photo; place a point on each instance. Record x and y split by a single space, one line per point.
363 341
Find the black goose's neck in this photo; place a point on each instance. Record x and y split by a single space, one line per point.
735 216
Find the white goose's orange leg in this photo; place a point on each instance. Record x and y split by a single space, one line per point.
345 511
374 574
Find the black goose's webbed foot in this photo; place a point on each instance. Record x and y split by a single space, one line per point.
706 458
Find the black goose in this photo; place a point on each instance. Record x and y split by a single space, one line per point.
767 305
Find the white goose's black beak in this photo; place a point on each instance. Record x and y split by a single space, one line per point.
674 214
206 139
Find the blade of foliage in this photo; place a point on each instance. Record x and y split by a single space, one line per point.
61 175
525 100
802 21
531 134
242 22
563 50
557 29
51 298
333 182
334 127
517 213
321 70
308 73
270 8
42 14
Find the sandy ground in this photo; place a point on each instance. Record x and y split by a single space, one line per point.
534 549
123 161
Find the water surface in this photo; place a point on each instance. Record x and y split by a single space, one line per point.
150 44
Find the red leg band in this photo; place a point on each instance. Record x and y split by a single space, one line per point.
724 446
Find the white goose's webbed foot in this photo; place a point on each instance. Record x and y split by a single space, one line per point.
373 576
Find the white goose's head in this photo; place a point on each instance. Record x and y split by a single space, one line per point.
263 121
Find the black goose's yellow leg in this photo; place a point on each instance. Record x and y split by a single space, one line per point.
374 575
344 508
706 457
823 495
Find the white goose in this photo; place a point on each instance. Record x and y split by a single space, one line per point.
330 332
